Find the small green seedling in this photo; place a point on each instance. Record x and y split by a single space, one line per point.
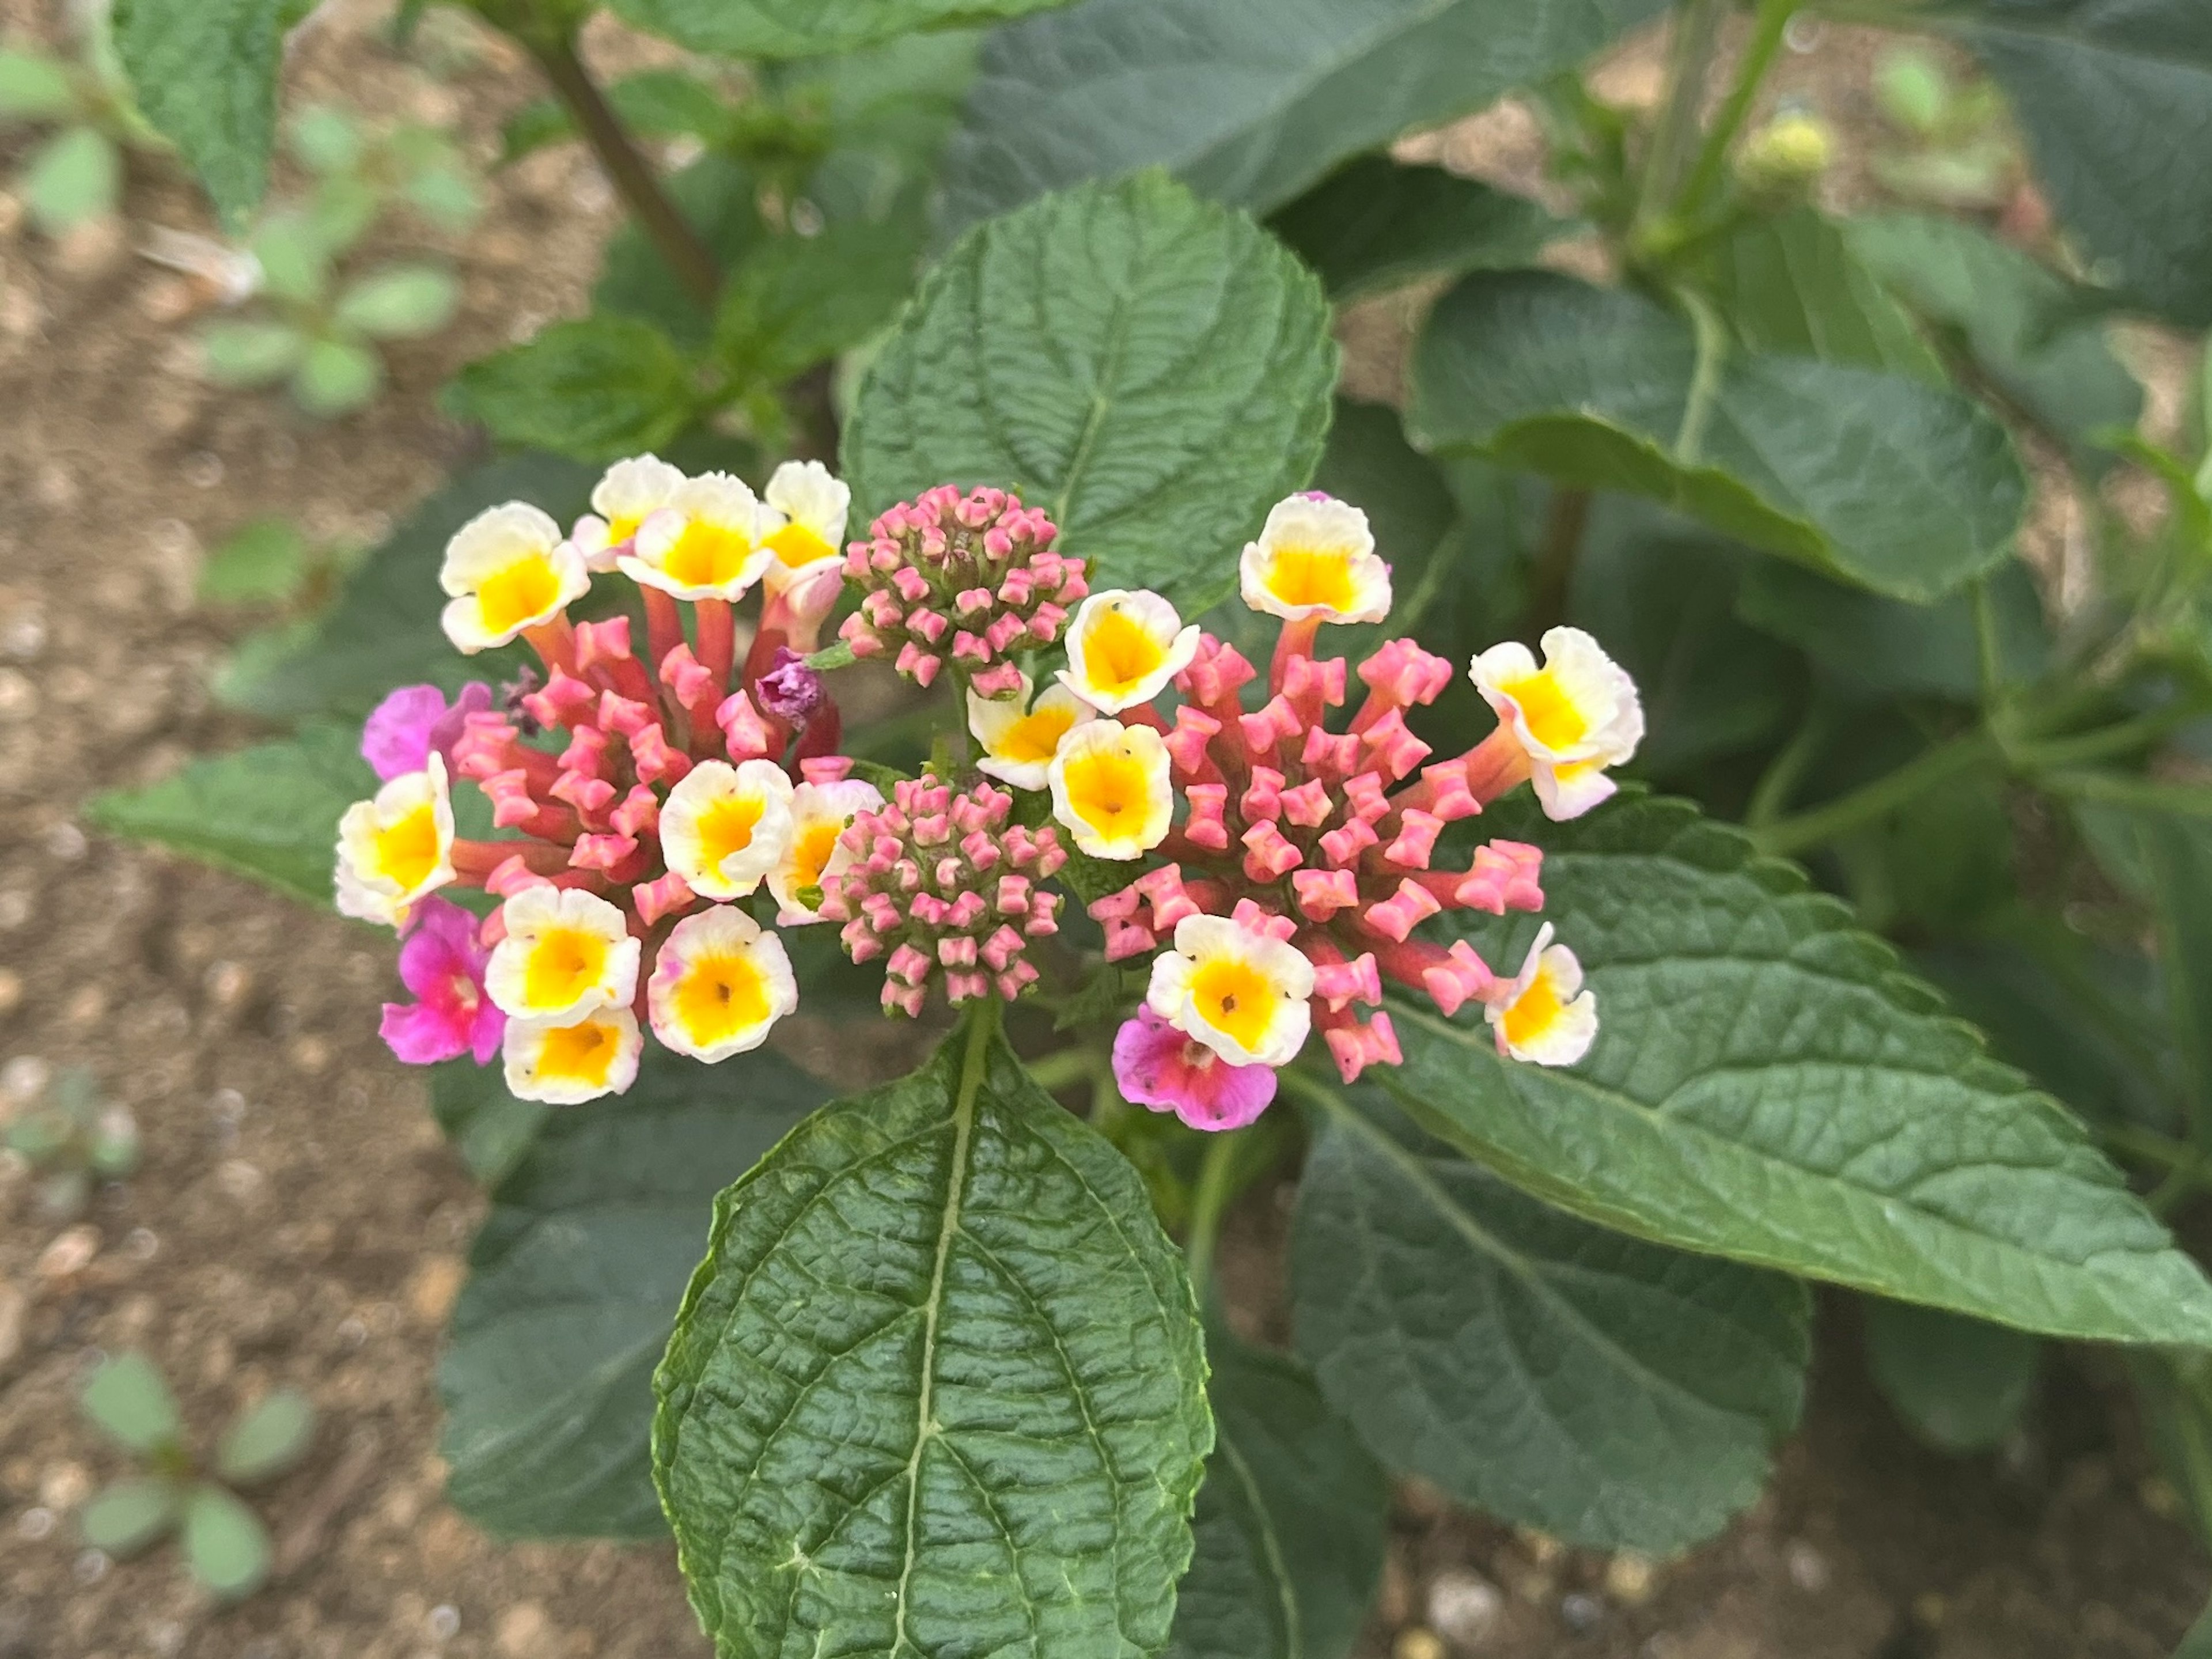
75 174
73 1141
1953 142
360 172
225 1547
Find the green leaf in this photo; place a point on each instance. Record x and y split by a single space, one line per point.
1250 103
264 563
2102 91
270 1438
1890 647
294 248
248 354
574 1283
2197 1645
2173 1388
1897 486
719 197
325 139
806 29
1375 224
76 175
127 1516
937 1388
384 630
2176 856
1152 371
1289 1529
205 74
2019 323
1768 1085
1960 1384
400 302
1610 1392
596 388
128 1397
337 377
1792 284
35 88
799 300
489 1126
225 1543
270 813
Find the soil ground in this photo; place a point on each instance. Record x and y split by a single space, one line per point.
298 1219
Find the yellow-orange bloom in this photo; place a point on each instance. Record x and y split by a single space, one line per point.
396 848
720 985
1545 1016
1111 788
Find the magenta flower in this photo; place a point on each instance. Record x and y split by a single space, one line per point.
413 722
1158 1066
443 965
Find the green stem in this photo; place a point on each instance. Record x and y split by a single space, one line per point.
1988 655
670 234
1553 576
1880 798
1705 380
1209 1202
2122 738
1759 54
2146 794
1697 32
1778 785
1063 1070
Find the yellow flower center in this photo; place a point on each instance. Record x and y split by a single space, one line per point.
407 848
1235 997
796 545
1533 1013
707 555
519 595
1036 736
720 996
1106 788
622 529
1311 575
564 964
811 849
1550 715
725 828
583 1053
1118 653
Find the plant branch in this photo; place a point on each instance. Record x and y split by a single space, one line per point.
671 234
1704 379
1689 60
1778 785
1759 55
1790 835
1552 575
1216 1185
1063 1070
2147 794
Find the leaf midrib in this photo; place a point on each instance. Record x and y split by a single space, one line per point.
1271 1546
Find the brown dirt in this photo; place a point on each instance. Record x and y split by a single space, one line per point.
298 1221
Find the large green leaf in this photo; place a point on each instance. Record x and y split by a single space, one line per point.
2105 92
2177 858
1249 103
1960 1384
270 812
597 388
204 72
799 300
1151 370
2020 323
574 1280
1290 1523
1611 1392
384 630
489 1126
1768 1083
1374 223
937 1388
1791 283
806 28
1898 486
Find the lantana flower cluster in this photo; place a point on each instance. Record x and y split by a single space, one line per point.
1300 852
644 791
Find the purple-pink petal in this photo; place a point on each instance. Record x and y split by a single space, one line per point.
1158 1066
396 740
443 965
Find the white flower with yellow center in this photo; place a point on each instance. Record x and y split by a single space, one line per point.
1316 558
567 1065
1240 993
1545 1016
803 523
396 848
1110 787
718 985
631 492
1574 717
820 814
507 569
566 953
1020 734
704 544
725 827
1124 646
